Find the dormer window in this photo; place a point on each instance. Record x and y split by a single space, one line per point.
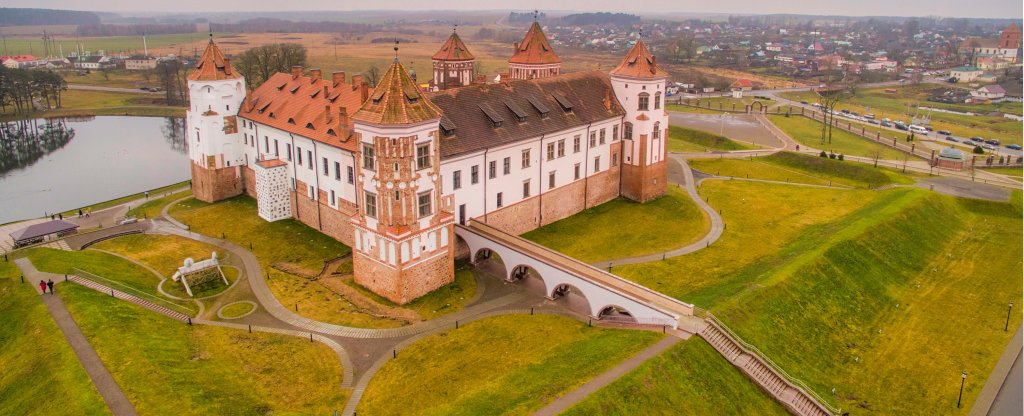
447 127
291 120
310 126
496 119
377 96
563 102
540 106
330 132
296 88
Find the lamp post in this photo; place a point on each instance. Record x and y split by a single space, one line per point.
1007 326
963 379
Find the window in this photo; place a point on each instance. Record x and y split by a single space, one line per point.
597 164
276 152
245 138
424 204
499 200
657 100
474 174
337 171
457 179
615 159
615 132
506 166
288 151
576 172
492 170
325 166
371 205
333 202
298 154
561 148
642 102
526 158
576 144
551 180
657 131
369 159
398 196
551 151
423 156
266 142
312 192
309 156
593 139
602 136
526 189
351 175
627 131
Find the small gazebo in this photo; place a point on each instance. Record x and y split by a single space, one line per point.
950 158
38 233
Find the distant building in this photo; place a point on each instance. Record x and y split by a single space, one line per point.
950 158
21 61
989 92
94 62
140 63
453 65
742 84
965 73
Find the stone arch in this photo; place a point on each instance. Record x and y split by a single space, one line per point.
615 313
529 277
486 257
761 107
573 297
462 249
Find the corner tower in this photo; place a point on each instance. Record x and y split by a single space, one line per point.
453 65
534 58
215 92
640 86
403 236
1010 37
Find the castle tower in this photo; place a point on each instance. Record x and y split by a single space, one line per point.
1010 38
403 235
640 85
453 65
534 58
215 92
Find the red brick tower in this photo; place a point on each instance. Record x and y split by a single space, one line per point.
640 85
403 236
453 64
1010 38
534 58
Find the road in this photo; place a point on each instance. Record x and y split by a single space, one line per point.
110 89
1009 400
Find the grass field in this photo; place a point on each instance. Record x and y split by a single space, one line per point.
682 139
118 273
596 234
690 109
102 103
36 359
866 303
1016 172
512 364
690 378
152 207
800 168
760 220
164 253
166 367
903 104
807 132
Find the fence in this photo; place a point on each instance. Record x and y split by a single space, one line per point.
131 290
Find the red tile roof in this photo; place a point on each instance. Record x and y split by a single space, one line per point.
535 49
639 63
271 163
308 106
743 82
397 100
453 50
213 66
19 58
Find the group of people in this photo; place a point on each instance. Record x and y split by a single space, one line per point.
81 214
43 285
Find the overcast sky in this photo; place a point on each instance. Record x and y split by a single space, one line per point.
947 8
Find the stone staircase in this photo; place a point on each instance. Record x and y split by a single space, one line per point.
130 298
795 398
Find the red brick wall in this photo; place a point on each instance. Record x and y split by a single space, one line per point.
212 185
603 187
562 202
304 209
517 218
404 285
643 184
249 182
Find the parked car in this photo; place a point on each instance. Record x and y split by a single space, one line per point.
988 146
1013 146
945 133
929 128
886 123
845 111
803 102
900 126
976 139
951 139
918 129
872 121
869 116
993 142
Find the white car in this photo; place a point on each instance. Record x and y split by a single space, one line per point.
918 129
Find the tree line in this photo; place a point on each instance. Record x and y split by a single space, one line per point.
26 90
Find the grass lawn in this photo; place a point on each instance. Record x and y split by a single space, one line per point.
103 103
166 367
690 109
1017 172
511 364
440 302
760 219
36 359
682 139
871 299
107 204
807 132
164 253
115 272
118 78
152 207
690 378
235 310
668 222
800 168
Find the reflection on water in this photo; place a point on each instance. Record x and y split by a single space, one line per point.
62 164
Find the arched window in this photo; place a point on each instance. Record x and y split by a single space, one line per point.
642 102
657 130
657 100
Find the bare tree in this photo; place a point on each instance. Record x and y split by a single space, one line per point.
875 155
373 75
833 92
260 63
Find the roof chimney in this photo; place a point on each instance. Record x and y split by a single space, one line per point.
227 66
515 45
607 99
327 114
338 77
315 74
356 80
364 91
481 79
296 71
342 117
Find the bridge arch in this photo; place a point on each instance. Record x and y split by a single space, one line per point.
574 298
487 257
529 277
615 313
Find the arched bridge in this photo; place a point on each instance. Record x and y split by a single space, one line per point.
600 294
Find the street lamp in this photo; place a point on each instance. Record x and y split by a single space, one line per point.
963 378
1007 327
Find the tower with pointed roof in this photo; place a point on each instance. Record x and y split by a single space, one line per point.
1010 37
404 231
534 58
453 64
215 92
639 85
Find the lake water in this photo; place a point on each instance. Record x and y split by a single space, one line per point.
73 163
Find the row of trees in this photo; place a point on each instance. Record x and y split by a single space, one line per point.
25 90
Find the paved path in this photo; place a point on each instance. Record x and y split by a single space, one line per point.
1002 394
563 403
101 378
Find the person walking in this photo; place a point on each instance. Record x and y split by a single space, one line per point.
61 216
52 217
79 212
49 283
42 286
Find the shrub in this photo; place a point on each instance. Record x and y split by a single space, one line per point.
831 155
841 157
823 154
978 150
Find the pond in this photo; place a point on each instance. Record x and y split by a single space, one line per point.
63 164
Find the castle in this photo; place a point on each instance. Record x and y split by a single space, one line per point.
389 170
